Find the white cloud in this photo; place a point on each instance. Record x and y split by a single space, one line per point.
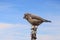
9 25
48 37
13 31
5 25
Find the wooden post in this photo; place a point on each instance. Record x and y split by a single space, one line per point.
33 33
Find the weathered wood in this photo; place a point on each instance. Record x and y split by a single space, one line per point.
33 33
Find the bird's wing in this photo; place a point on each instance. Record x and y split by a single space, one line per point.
36 17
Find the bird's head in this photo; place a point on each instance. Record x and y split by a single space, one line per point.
26 15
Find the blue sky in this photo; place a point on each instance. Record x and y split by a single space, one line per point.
14 27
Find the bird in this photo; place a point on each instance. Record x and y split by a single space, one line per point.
34 19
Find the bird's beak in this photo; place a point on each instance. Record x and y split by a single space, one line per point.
24 17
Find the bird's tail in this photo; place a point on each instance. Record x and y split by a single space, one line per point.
47 21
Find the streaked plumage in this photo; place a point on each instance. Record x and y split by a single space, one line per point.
34 20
